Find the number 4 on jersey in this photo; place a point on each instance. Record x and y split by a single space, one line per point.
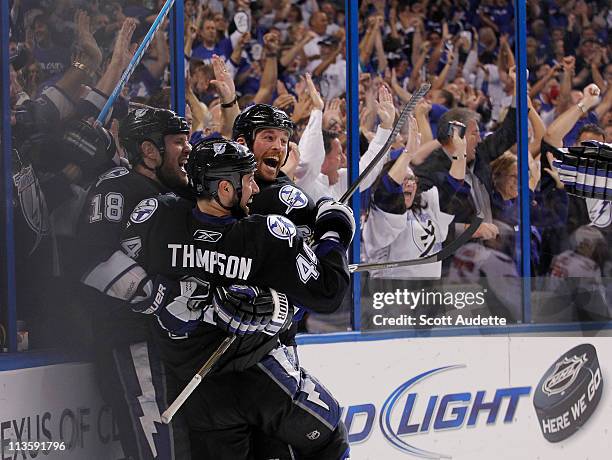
132 246
306 268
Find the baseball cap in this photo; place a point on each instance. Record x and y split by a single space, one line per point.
328 40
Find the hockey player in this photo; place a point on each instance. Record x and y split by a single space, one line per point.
266 130
130 371
210 246
48 175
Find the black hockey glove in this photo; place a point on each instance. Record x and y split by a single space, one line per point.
243 310
334 220
178 305
92 149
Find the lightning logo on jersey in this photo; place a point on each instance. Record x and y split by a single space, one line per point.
219 149
144 210
282 228
293 197
113 174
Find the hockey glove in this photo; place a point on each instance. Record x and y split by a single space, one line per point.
334 220
92 149
243 310
177 304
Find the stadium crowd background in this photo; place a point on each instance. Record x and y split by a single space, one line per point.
464 48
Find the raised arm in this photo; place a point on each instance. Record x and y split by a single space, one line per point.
398 170
318 71
122 54
440 80
605 105
596 63
538 129
386 113
158 66
565 90
541 83
366 45
224 85
421 113
311 147
89 56
566 121
415 75
289 55
399 91
270 69
378 45
198 113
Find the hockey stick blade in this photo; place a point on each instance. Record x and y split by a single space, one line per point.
399 124
195 381
439 256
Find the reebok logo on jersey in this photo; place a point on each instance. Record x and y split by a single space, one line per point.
188 256
207 236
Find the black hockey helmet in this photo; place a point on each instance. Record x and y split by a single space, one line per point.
260 116
149 124
217 159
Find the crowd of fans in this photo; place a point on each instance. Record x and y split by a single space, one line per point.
292 54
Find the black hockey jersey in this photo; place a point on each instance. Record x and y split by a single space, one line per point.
168 236
107 210
105 214
284 198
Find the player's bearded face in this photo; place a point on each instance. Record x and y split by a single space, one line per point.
172 171
270 149
249 188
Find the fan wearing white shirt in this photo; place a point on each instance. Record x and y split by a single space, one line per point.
318 23
319 173
404 223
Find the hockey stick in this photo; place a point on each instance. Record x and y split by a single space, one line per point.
399 124
195 381
146 41
439 256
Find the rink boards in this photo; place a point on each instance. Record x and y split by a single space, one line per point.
408 398
471 398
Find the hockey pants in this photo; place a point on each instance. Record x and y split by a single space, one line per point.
133 382
277 398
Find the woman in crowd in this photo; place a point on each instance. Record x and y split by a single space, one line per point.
405 223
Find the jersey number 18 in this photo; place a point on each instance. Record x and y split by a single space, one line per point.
112 204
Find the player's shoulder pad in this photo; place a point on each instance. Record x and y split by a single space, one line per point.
167 205
292 197
272 225
144 210
281 228
113 173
